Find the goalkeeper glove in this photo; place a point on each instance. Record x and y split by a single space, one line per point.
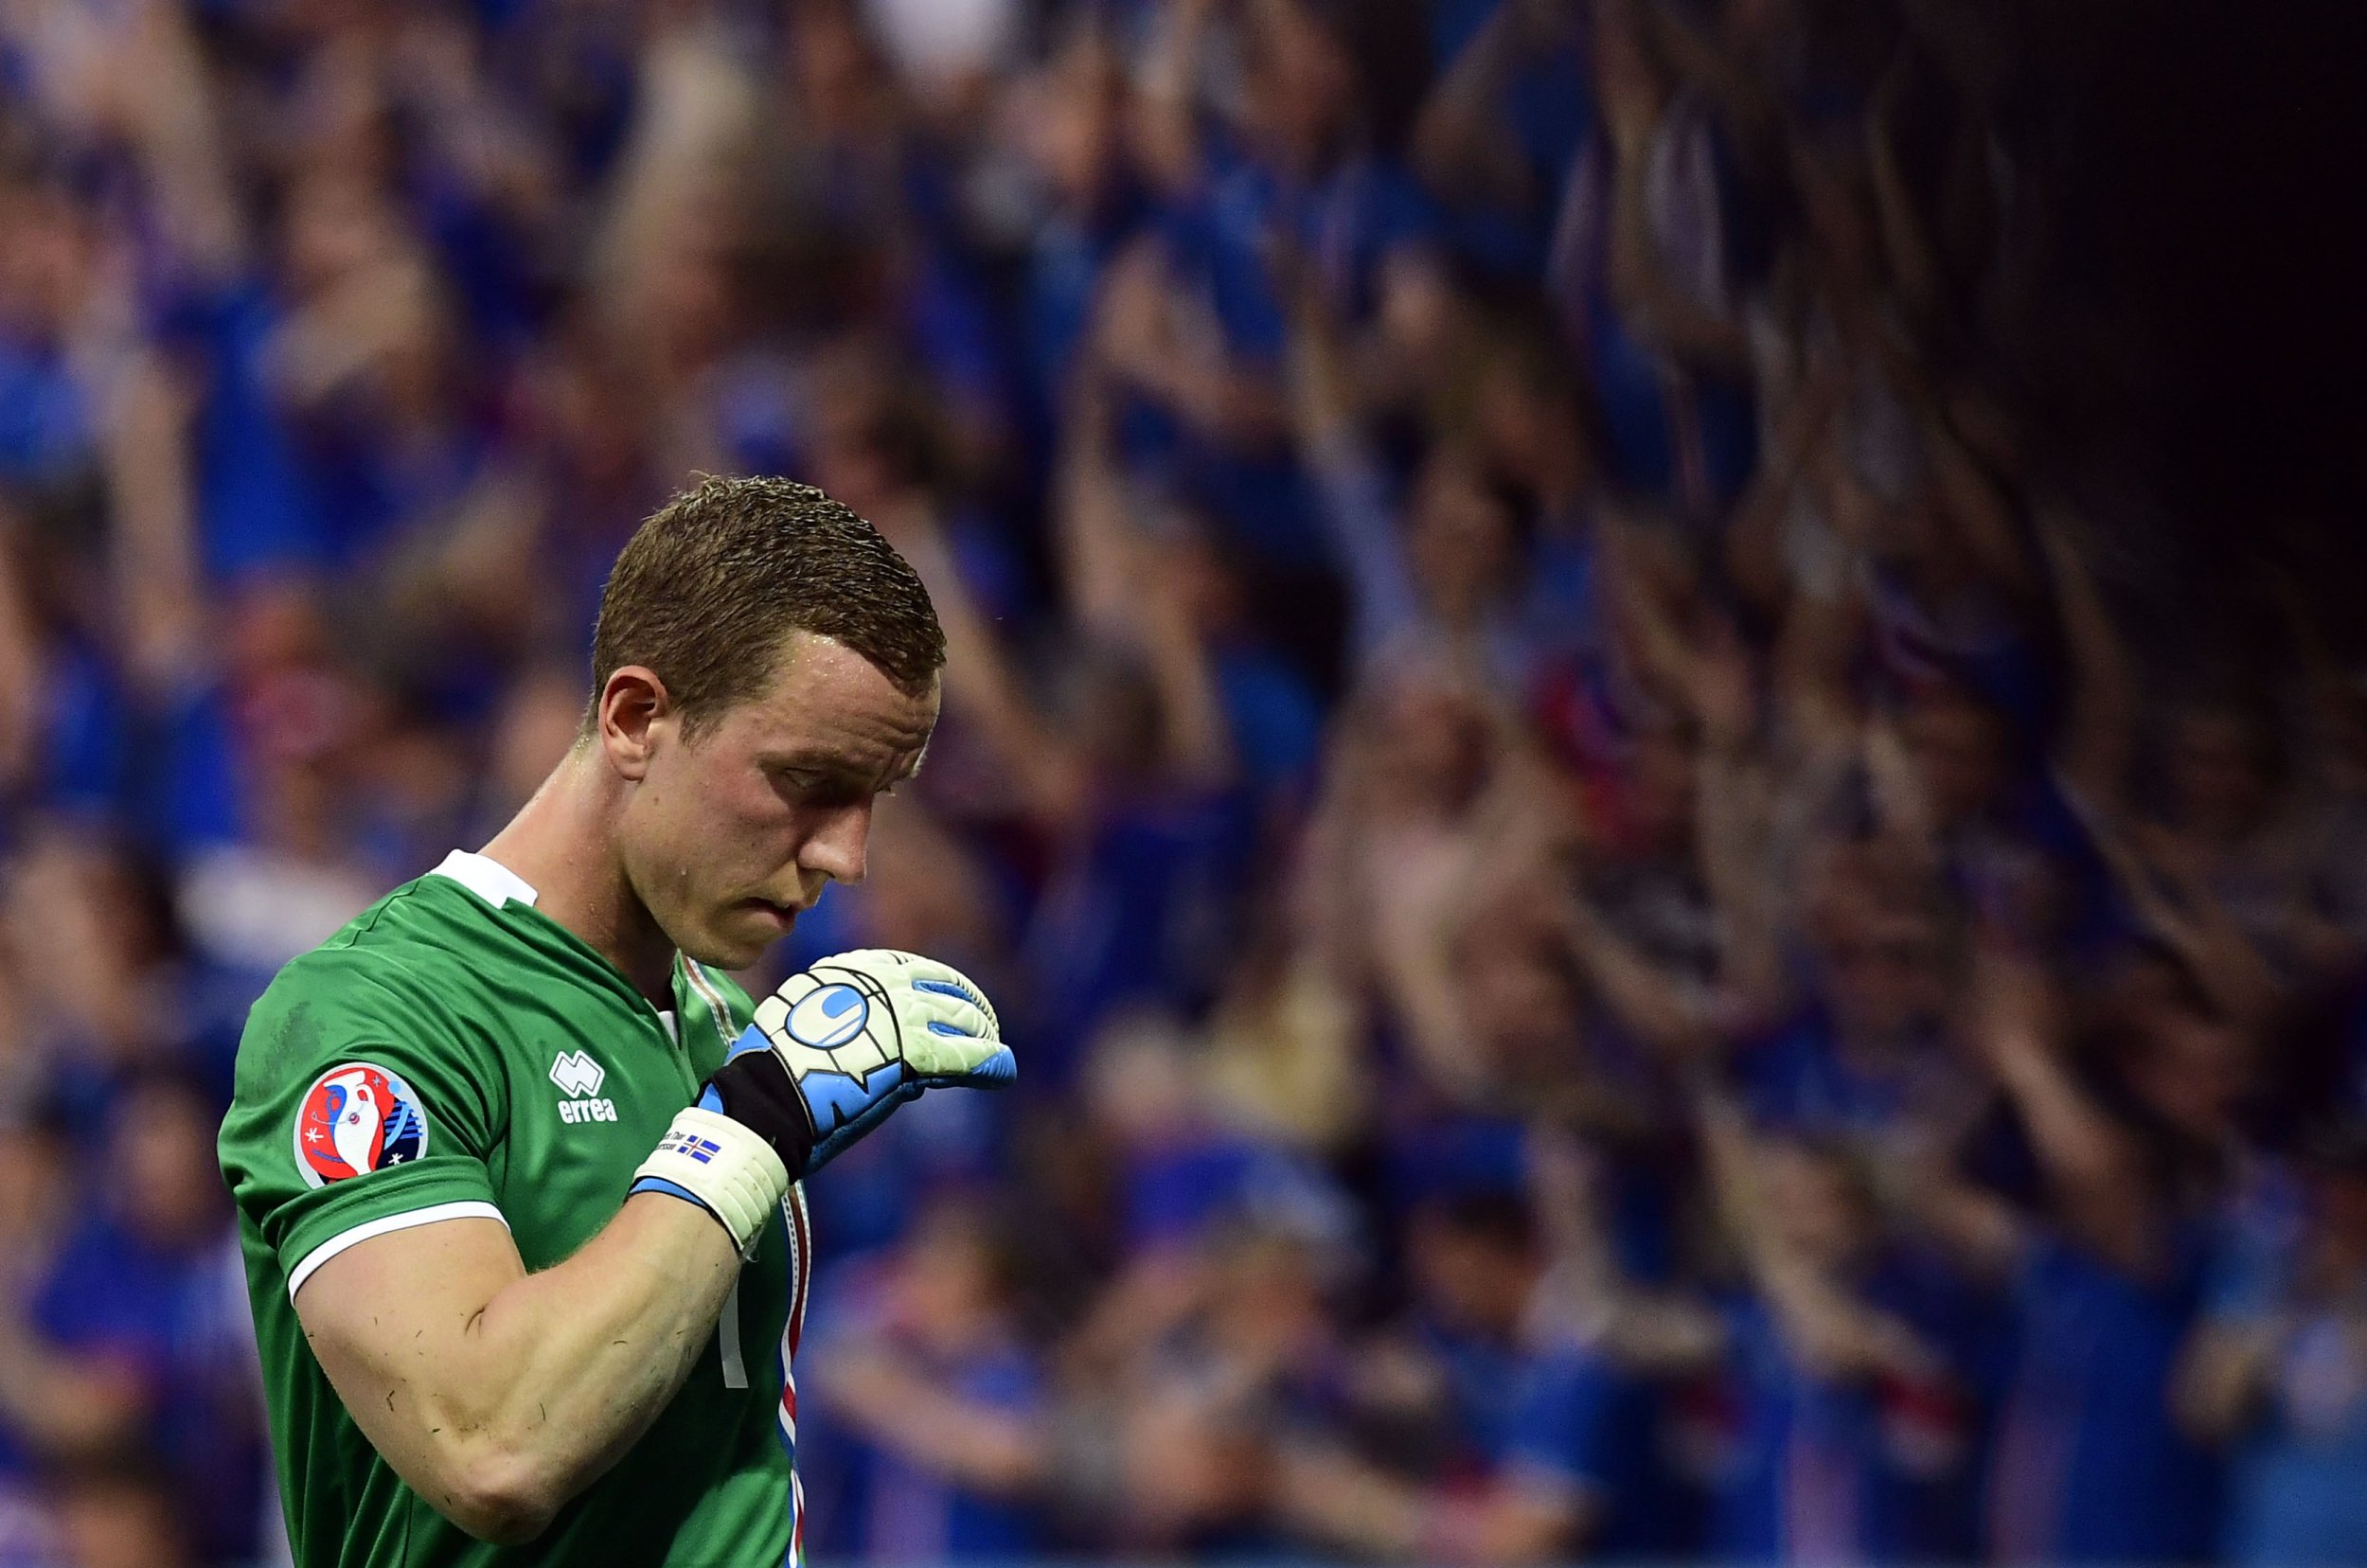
829 1055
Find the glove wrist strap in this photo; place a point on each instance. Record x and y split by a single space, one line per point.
753 1088
721 1164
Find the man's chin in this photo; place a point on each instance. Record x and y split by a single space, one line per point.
740 939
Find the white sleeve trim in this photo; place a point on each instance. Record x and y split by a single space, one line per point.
433 1214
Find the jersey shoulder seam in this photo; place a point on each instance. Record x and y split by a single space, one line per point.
367 921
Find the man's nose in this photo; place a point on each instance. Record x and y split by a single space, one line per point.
836 848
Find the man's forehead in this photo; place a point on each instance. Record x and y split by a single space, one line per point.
824 695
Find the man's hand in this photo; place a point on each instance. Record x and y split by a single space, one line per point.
858 1035
829 1055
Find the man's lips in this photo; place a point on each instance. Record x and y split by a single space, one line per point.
784 915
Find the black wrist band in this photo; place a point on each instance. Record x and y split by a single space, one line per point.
758 1092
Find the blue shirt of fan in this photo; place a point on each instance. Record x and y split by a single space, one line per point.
869 1503
1275 719
168 772
1800 1077
916 1516
257 514
2294 1492
1871 1468
2294 1482
1065 270
1483 1377
1545 108
45 425
1171 1194
864 1501
1579 1422
1217 244
174 1320
1142 915
2091 1466
1424 1158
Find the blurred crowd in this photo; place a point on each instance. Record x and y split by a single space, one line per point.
1627 938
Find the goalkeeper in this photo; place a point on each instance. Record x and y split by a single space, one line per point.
517 1169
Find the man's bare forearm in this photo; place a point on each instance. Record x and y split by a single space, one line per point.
599 1343
500 1398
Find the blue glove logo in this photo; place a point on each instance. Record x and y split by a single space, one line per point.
828 1018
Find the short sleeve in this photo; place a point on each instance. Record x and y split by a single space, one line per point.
361 1107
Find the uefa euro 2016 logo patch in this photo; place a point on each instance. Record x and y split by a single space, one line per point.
357 1118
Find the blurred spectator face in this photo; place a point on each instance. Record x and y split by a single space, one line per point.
1958 746
1628 76
160 1143
1836 196
927 892
1430 749
334 228
1474 1262
1300 82
837 79
951 1286
1752 23
119 1523
2189 1069
67 889
686 301
46 257
1269 1293
1816 1199
1184 1466
862 421
542 714
2218 767
1139 1083
1076 118
1659 798
1519 995
413 376
1422 319
596 417
85 926
940 45
2339 1197
1884 974
1461 536
1528 422
1204 582
343 116
1111 707
31 1181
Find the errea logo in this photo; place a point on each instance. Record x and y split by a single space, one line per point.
575 1073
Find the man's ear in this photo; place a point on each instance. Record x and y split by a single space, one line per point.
636 716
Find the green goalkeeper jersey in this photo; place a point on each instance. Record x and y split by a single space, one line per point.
454 1053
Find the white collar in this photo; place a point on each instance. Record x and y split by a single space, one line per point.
488 879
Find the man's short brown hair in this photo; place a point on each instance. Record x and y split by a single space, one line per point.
707 590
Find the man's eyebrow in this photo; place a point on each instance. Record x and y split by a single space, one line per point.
808 761
829 765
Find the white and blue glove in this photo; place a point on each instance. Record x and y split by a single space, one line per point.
829 1055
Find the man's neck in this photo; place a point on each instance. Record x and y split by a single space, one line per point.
562 842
